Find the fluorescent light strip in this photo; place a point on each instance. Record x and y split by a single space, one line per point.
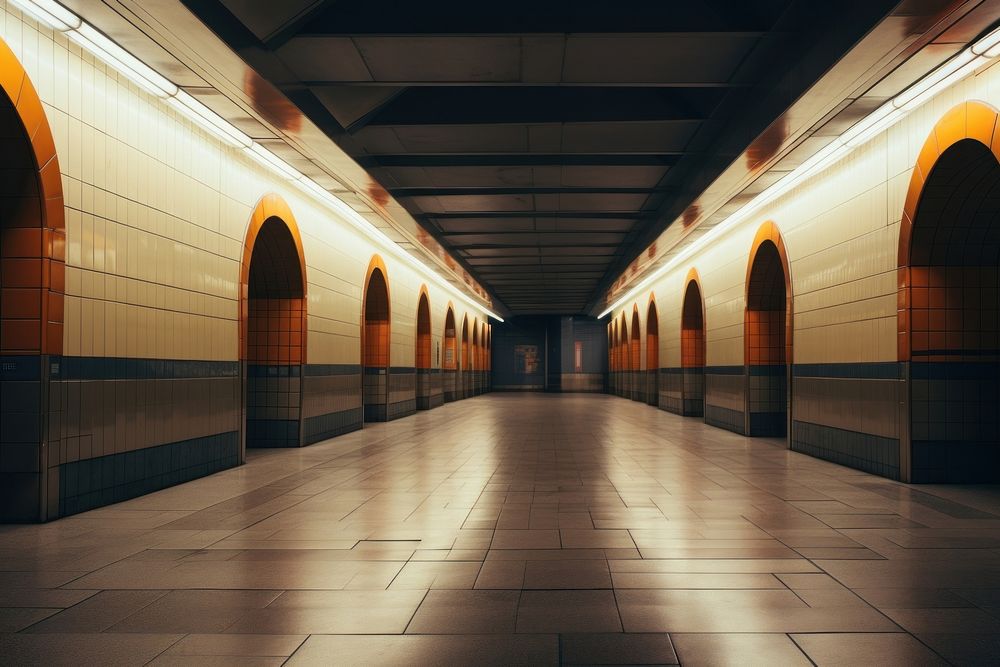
887 115
206 118
367 228
62 20
146 77
50 13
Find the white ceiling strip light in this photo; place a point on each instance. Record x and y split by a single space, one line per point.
59 18
955 69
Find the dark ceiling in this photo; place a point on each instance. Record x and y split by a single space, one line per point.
545 143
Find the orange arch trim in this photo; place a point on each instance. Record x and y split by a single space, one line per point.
422 358
475 344
376 262
466 352
449 345
635 351
968 120
693 277
34 243
652 339
626 357
768 232
269 206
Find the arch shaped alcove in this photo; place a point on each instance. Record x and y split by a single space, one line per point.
428 389
636 380
652 353
449 360
949 278
767 336
625 387
32 279
693 348
375 342
273 325
476 364
465 373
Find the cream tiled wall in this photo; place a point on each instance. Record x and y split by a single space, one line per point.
841 230
156 216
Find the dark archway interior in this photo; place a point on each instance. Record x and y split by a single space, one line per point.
466 352
626 352
652 338
692 328
450 358
955 337
275 339
652 355
475 347
20 238
693 351
466 359
449 361
423 352
376 348
376 321
27 303
422 357
766 320
635 353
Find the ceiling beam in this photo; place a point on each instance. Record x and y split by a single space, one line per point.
519 160
462 191
485 105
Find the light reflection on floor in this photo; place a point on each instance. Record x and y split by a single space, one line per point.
516 529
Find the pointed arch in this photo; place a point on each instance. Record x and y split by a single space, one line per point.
767 334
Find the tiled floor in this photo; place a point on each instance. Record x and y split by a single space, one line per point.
516 529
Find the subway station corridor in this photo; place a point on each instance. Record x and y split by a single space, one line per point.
495 333
516 529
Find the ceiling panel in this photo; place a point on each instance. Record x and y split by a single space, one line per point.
543 144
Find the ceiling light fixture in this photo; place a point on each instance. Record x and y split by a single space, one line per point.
209 120
145 77
887 115
50 13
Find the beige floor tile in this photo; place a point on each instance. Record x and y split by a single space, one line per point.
723 650
573 574
568 611
73 649
466 612
485 528
237 645
849 649
429 649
